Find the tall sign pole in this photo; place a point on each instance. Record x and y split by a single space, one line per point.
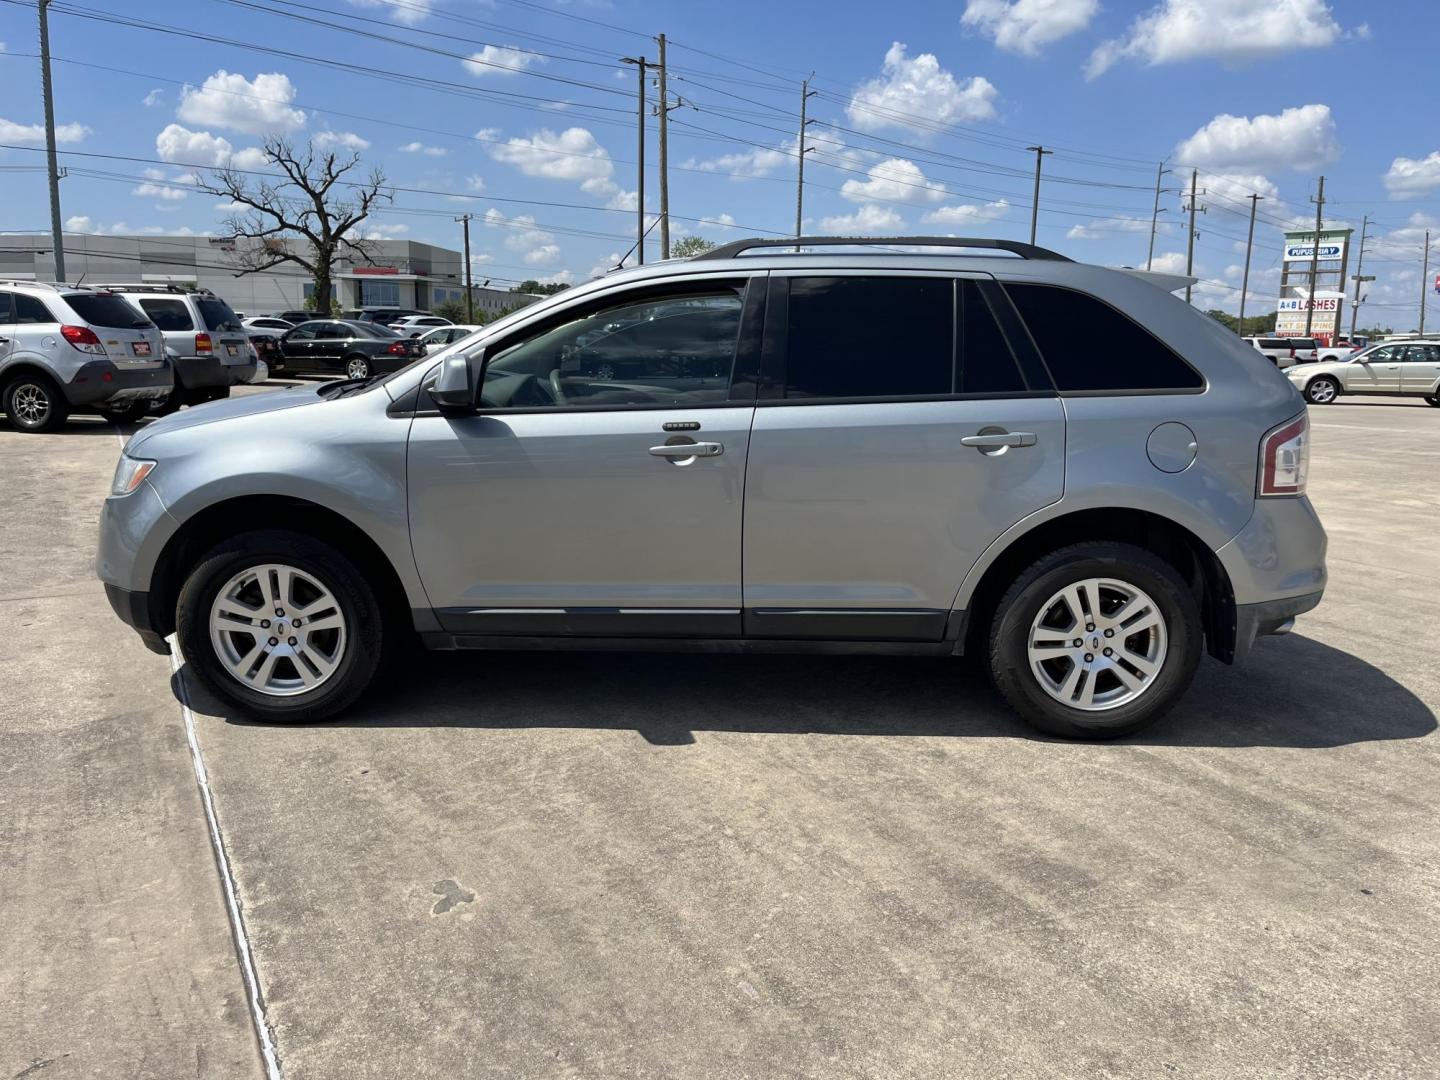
1319 201
57 238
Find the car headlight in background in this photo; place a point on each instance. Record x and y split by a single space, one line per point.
129 473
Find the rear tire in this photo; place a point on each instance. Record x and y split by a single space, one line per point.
1031 661
1433 399
308 678
34 404
357 367
1322 390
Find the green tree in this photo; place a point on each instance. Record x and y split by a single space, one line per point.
454 310
535 288
688 246
1255 325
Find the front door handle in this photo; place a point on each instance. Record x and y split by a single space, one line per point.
1000 438
688 450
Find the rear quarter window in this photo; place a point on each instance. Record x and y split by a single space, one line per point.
218 315
106 309
168 314
1090 346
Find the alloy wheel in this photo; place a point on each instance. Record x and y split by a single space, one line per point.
30 404
358 369
1322 392
1097 644
277 629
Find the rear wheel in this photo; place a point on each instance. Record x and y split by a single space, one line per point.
1433 399
34 403
357 367
281 625
1322 391
1095 640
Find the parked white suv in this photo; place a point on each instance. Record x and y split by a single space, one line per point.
64 347
1281 351
1399 368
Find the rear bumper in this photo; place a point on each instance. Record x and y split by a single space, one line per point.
205 372
101 381
134 611
1271 617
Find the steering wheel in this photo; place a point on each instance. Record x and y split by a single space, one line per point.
555 387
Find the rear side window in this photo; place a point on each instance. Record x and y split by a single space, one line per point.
6 302
217 315
106 309
29 309
866 337
168 314
1274 343
1088 345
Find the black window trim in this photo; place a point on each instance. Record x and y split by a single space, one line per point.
776 345
1204 386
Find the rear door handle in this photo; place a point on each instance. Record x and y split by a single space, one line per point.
1003 438
688 450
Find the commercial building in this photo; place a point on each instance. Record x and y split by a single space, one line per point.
404 273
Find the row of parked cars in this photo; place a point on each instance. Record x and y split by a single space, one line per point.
1323 372
126 350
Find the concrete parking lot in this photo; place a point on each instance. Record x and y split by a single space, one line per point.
596 865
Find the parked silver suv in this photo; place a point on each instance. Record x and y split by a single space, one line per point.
1058 466
65 347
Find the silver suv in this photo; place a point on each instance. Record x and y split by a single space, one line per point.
211 345
1059 467
65 347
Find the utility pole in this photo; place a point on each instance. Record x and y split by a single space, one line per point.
640 65
1155 214
1039 152
57 238
1245 281
1360 278
805 95
664 158
1424 281
1190 246
469 291
1319 201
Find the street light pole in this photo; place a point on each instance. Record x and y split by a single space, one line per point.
1245 281
805 95
1360 277
469 289
1039 152
1319 201
1155 214
57 238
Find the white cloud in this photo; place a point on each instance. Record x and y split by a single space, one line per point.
1024 26
572 154
757 161
1413 178
604 266
715 221
258 107
153 98
330 140
868 219
535 246
421 148
475 182
916 93
1298 138
1169 262
35 133
402 11
385 232
230 206
500 60
201 149
1233 30
894 180
79 223
151 190
1237 186
1100 228
967 213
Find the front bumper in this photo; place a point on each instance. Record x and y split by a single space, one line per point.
134 611
100 381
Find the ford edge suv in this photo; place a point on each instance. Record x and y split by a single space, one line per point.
1061 468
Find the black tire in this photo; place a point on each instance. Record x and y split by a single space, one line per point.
34 403
125 414
1021 606
358 367
1433 399
354 596
1322 390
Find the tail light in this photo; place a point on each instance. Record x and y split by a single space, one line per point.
83 338
397 349
1285 458
1292 352
203 344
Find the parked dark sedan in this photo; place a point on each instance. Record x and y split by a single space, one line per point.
356 350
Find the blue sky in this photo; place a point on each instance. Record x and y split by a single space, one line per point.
924 112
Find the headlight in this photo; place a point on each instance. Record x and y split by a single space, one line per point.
129 473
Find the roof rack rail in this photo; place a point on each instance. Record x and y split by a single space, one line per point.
54 286
1014 247
148 287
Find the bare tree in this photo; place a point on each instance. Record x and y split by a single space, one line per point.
309 218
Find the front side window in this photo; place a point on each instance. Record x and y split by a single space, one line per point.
330 331
670 350
303 332
1090 346
1386 354
168 314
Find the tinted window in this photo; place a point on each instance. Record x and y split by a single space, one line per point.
332 330
666 350
105 309
1274 343
304 332
986 364
29 309
870 337
374 330
5 307
1304 343
168 314
217 314
1088 345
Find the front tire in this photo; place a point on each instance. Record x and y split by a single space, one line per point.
1322 391
1139 632
236 621
357 367
34 404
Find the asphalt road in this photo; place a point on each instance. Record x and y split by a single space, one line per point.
558 865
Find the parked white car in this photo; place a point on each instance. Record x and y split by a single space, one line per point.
268 322
415 325
442 336
1404 369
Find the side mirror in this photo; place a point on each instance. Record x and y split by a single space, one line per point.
457 387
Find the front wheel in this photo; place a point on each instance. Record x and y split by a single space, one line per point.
1433 399
357 367
1322 391
34 404
1095 640
281 625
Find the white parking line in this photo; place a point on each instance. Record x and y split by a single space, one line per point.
227 879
